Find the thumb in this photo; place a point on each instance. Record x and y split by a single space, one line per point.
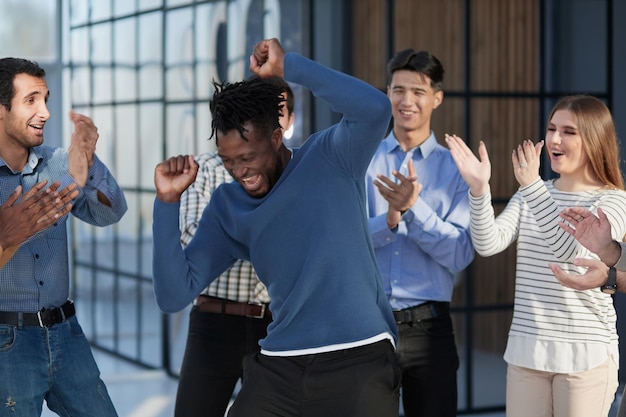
482 152
584 262
411 168
13 196
73 115
602 215
538 147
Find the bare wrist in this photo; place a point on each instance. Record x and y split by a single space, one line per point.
393 219
168 197
611 255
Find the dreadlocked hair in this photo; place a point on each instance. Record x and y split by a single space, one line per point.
254 100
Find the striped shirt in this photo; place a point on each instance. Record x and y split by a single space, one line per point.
554 328
239 282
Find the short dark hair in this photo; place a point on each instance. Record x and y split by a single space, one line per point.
422 62
9 68
253 100
284 86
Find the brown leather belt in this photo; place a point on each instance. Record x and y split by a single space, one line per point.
43 318
208 304
426 311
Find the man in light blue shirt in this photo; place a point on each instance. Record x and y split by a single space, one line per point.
419 223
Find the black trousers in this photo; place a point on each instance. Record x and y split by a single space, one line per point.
212 364
358 382
429 361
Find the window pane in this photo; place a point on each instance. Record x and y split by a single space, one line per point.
28 29
180 130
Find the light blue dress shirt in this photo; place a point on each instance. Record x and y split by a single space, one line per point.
418 260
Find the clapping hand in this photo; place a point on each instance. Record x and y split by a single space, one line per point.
400 195
82 149
476 172
526 160
38 209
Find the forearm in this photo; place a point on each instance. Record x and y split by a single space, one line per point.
170 266
491 236
101 201
545 211
447 240
618 252
614 255
365 111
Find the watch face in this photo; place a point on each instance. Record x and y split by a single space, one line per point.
609 289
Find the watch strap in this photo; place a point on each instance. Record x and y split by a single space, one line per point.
611 283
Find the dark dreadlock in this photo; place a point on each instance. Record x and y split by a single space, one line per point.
253 100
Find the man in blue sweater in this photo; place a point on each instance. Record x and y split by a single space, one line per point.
299 216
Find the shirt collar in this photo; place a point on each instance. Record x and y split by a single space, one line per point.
426 148
31 163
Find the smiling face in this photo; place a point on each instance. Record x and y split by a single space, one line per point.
413 100
565 145
256 164
22 127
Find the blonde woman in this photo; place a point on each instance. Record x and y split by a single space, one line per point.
561 352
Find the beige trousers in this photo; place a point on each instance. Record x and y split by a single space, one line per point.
531 393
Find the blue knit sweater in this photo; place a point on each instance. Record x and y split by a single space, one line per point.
308 238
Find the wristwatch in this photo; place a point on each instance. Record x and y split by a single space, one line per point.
611 284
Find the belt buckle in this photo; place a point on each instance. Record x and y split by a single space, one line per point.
261 315
39 318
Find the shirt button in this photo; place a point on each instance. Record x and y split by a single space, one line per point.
396 253
36 256
41 283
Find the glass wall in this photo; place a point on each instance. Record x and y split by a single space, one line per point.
143 70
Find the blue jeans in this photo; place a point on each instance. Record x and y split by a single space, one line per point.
429 361
53 364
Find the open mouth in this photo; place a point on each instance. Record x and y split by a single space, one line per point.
406 113
37 127
251 183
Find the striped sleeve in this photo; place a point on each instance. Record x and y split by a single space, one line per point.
490 235
546 213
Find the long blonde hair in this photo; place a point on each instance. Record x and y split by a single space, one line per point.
599 139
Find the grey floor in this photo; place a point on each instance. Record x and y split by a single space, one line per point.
137 392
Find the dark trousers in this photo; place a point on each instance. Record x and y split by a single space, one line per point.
358 382
429 361
212 364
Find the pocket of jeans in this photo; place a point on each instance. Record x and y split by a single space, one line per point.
75 329
7 338
439 326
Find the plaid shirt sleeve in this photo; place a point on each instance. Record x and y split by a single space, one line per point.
239 282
